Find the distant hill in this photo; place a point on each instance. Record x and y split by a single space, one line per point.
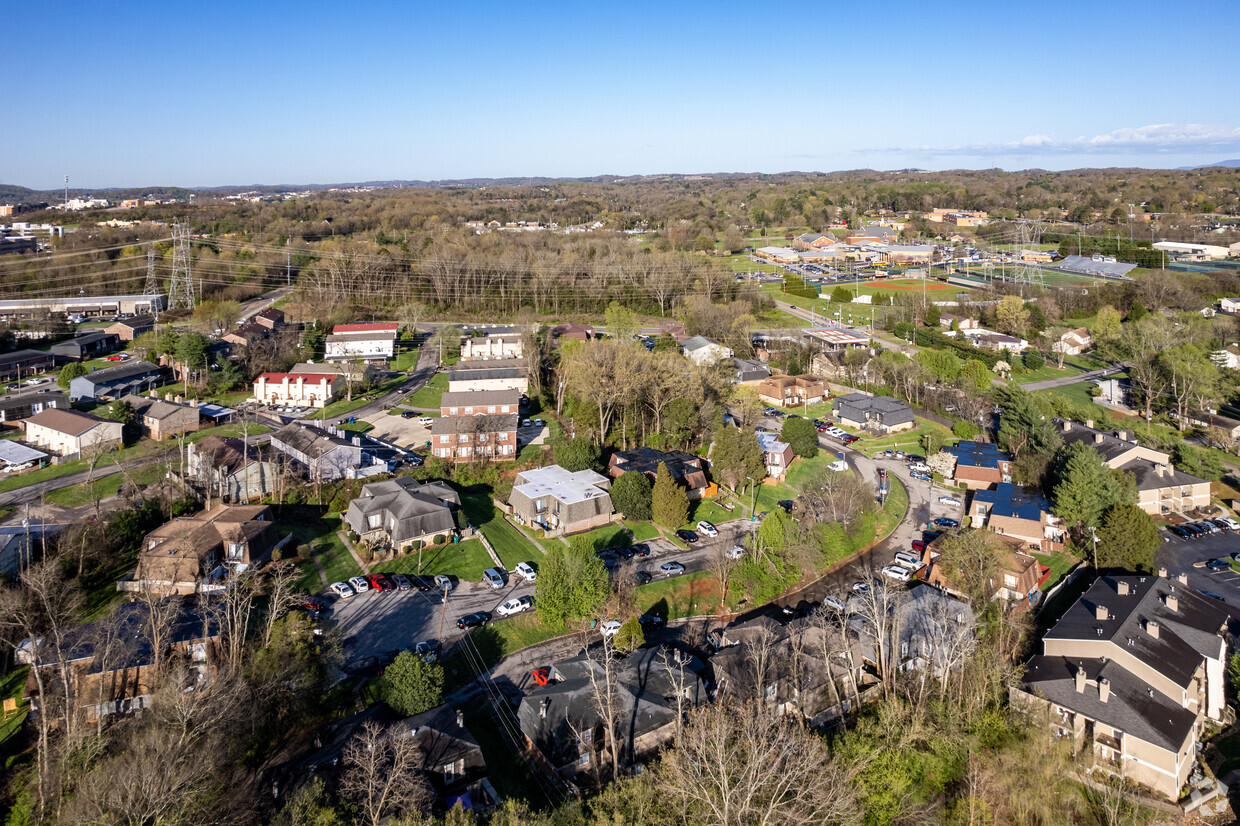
1232 164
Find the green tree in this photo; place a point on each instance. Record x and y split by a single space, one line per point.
1085 487
941 363
410 685
630 637
975 376
669 501
1107 324
842 295
621 321
1012 316
121 411
931 316
192 353
314 340
1128 539
931 442
228 377
802 435
1034 361
704 243
1198 462
1022 424
589 583
964 431
553 589
71 371
736 457
309 805
579 453
1037 318
631 495
1136 312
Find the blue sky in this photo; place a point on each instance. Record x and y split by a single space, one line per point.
204 94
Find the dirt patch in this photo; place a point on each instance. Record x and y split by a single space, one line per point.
908 285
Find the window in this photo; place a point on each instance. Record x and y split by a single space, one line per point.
771 691
451 771
375 520
583 759
468 410
1009 581
236 550
482 437
443 440
540 505
491 409
451 411
503 437
587 736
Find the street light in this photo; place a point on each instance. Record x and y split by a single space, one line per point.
752 495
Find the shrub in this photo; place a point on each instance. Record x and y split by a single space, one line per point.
440 539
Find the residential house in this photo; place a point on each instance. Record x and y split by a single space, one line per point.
776 455
1074 342
703 352
990 340
561 502
324 456
23 404
791 391
297 389
751 370
452 758
1017 574
85 346
980 465
229 469
68 433
1220 428
1009 511
685 468
962 322
1228 358
127 329
246 334
1131 673
491 344
113 382
365 342
479 402
118 678
561 721
194 553
779 667
928 629
22 364
880 414
471 438
403 512
271 318
1161 488
494 378
19 544
1229 305
160 420
576 332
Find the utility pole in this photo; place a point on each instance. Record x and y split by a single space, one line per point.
151 289
66 193
443 612
288 263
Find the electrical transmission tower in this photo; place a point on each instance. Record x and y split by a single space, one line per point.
1029 274
181 284
151 290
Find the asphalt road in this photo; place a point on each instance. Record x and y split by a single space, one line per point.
1051 384
1180 556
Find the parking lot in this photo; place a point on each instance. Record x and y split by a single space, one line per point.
1182 556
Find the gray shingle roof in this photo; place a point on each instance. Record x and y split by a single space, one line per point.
409 509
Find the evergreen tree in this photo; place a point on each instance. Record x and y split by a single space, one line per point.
577 454
410 685
931 316
1022 425
71 371
669 501
802 435
1137 312
1085 487
1128 539
631 495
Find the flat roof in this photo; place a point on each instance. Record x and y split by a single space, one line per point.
16 453
837 336
566 486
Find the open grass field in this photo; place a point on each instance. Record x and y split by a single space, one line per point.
429 395
310 527
79 495
681 596
510 544
1059 563
405 360
466 559
339 408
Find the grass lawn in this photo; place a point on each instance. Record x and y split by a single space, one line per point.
893 508
466 559
229 399
742 263
1078 393
429 395
79 495
357 427
405 360
710 511
1059 563
908 441
535 535
687 595
510 544
310 527
11 687
339 408
611 536
642 531
523 631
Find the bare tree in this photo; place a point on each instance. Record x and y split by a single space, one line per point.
383 773
879 610
280 583
162 613
233 607
722 564
605 693
837 497
354 372
740 766
93 451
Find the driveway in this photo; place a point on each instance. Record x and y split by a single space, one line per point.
1179 555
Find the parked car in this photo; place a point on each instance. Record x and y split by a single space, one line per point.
422 583
526 423
1178 531
402 582
787 505
861 587
641 549
408 414
925 477
834 603
930 536
1193 533
651 622
538 423
1207 526
838 466
641 577
315 604
358 584
610 628
672 568
379 582
897 572
1226 523
341 590
848 440
428 650
444 581
526 571
516 605
907 559
944 522
624 551
493 578
425 421
1219 565
687 536
707 528
919 545
919 467
473 620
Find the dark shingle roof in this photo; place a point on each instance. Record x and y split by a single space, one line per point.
1009 500
978 454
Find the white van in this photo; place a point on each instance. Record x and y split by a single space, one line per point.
492 577
907 560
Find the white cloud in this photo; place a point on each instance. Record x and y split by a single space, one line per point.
1155 138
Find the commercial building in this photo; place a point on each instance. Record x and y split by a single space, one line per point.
1177 251
837 339
1131 673
113 382
83 305
560 501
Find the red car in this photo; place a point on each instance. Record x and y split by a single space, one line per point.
542 676
919 545
115 358
380 583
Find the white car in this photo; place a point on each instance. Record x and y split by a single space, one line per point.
897 572
33 382
426 421
706 528
516 605
920 467
736 552
538 423
341 590
907 560
526 571
610 628
527 423
949 500
1232 525
834 603
358 584
838 466
443 582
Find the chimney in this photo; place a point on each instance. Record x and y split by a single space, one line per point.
1122 587
1097 438
1101 612
1162 470
1080 680
1104 689
1162 572
1124 435
1067 425
1172 602
1183 578
1151 628
460 718
542 708
1089 422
